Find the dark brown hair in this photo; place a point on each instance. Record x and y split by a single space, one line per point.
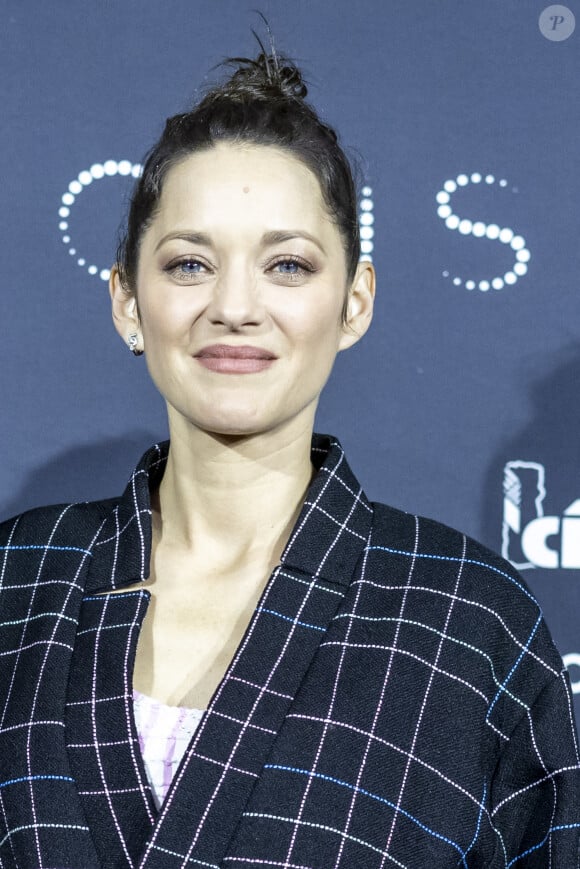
262 103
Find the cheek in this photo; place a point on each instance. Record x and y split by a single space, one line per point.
318 321
314 311
165 315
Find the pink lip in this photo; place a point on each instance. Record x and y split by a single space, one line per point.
229 359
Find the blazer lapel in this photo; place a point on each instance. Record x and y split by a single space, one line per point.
102 741
101 737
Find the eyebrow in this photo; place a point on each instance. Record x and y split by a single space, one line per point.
273 237
280 236
192 237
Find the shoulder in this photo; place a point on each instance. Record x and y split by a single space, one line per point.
57 523
426 539
468 595
437 550
82 520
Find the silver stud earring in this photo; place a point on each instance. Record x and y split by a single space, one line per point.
132 342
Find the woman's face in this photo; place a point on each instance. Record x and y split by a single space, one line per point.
240 284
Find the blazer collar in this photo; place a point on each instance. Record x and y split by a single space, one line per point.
334 501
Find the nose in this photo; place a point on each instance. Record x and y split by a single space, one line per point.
236 301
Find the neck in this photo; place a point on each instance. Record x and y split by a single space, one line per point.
236 498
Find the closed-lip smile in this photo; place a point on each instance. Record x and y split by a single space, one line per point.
232 359
231 351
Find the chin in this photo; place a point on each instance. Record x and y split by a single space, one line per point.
233 425
234 435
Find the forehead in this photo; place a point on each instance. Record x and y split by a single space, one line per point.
242 184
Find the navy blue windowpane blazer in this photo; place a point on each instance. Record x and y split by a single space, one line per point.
396 701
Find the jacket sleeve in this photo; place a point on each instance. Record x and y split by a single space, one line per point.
535 792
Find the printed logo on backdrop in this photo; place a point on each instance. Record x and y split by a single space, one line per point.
530 538
572 664
502 235
85 258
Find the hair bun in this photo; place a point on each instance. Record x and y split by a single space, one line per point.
267 77
291 81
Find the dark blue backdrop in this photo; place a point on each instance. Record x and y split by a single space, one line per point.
465 119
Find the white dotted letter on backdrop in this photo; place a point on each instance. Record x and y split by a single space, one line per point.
108 169
479 229
366 219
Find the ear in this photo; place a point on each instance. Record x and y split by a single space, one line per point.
360 303
124 309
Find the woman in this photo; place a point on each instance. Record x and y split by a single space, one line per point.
241 661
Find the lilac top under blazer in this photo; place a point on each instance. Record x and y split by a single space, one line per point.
396 701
